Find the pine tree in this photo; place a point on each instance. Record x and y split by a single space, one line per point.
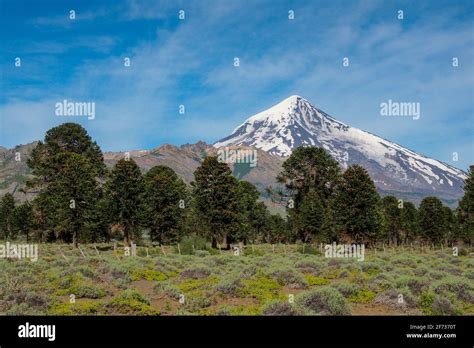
46 160
356 205
310 217
410 224
72 196
308 169
465 211
329 228
23 219
451 224
392 213
7 208
124 190
433 226
217 202
251 211
166 203
67 166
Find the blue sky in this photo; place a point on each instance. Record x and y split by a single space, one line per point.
190 62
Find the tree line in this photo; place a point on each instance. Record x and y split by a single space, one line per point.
80 200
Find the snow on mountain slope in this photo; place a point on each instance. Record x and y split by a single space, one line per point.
296 122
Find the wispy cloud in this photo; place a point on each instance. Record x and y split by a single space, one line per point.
190 62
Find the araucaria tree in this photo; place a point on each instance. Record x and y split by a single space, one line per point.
216 198
124 190
7 209
66 166
310 176
392 212
165 204
356 205
432 216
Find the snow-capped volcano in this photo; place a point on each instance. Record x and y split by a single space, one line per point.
296 122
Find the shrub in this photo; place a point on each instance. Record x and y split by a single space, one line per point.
194 303
289 277
187 243
228 285
443 306
131 302
456 285
147 274
195 273
279 308
347 289
362 296
313 280
415 284
87 291
261 288
426 301
325 301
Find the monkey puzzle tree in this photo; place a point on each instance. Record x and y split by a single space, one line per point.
432 216
66 167
124 191
216 200
356 205
7 208
165 202
308 169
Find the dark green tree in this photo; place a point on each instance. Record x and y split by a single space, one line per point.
124 191
72 198
310 217
277 230
253 212
392 213
7 209
46 159
410 226
308 169
465 211
356 205
217 201
166 202
433 225
67 168
23 219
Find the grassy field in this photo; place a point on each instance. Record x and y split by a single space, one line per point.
263 281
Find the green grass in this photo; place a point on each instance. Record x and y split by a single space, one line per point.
259 282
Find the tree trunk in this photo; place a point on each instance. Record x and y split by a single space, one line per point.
126 236
74 239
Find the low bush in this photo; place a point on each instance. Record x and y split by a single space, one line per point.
324 301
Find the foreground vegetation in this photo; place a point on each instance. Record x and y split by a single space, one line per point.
264 280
